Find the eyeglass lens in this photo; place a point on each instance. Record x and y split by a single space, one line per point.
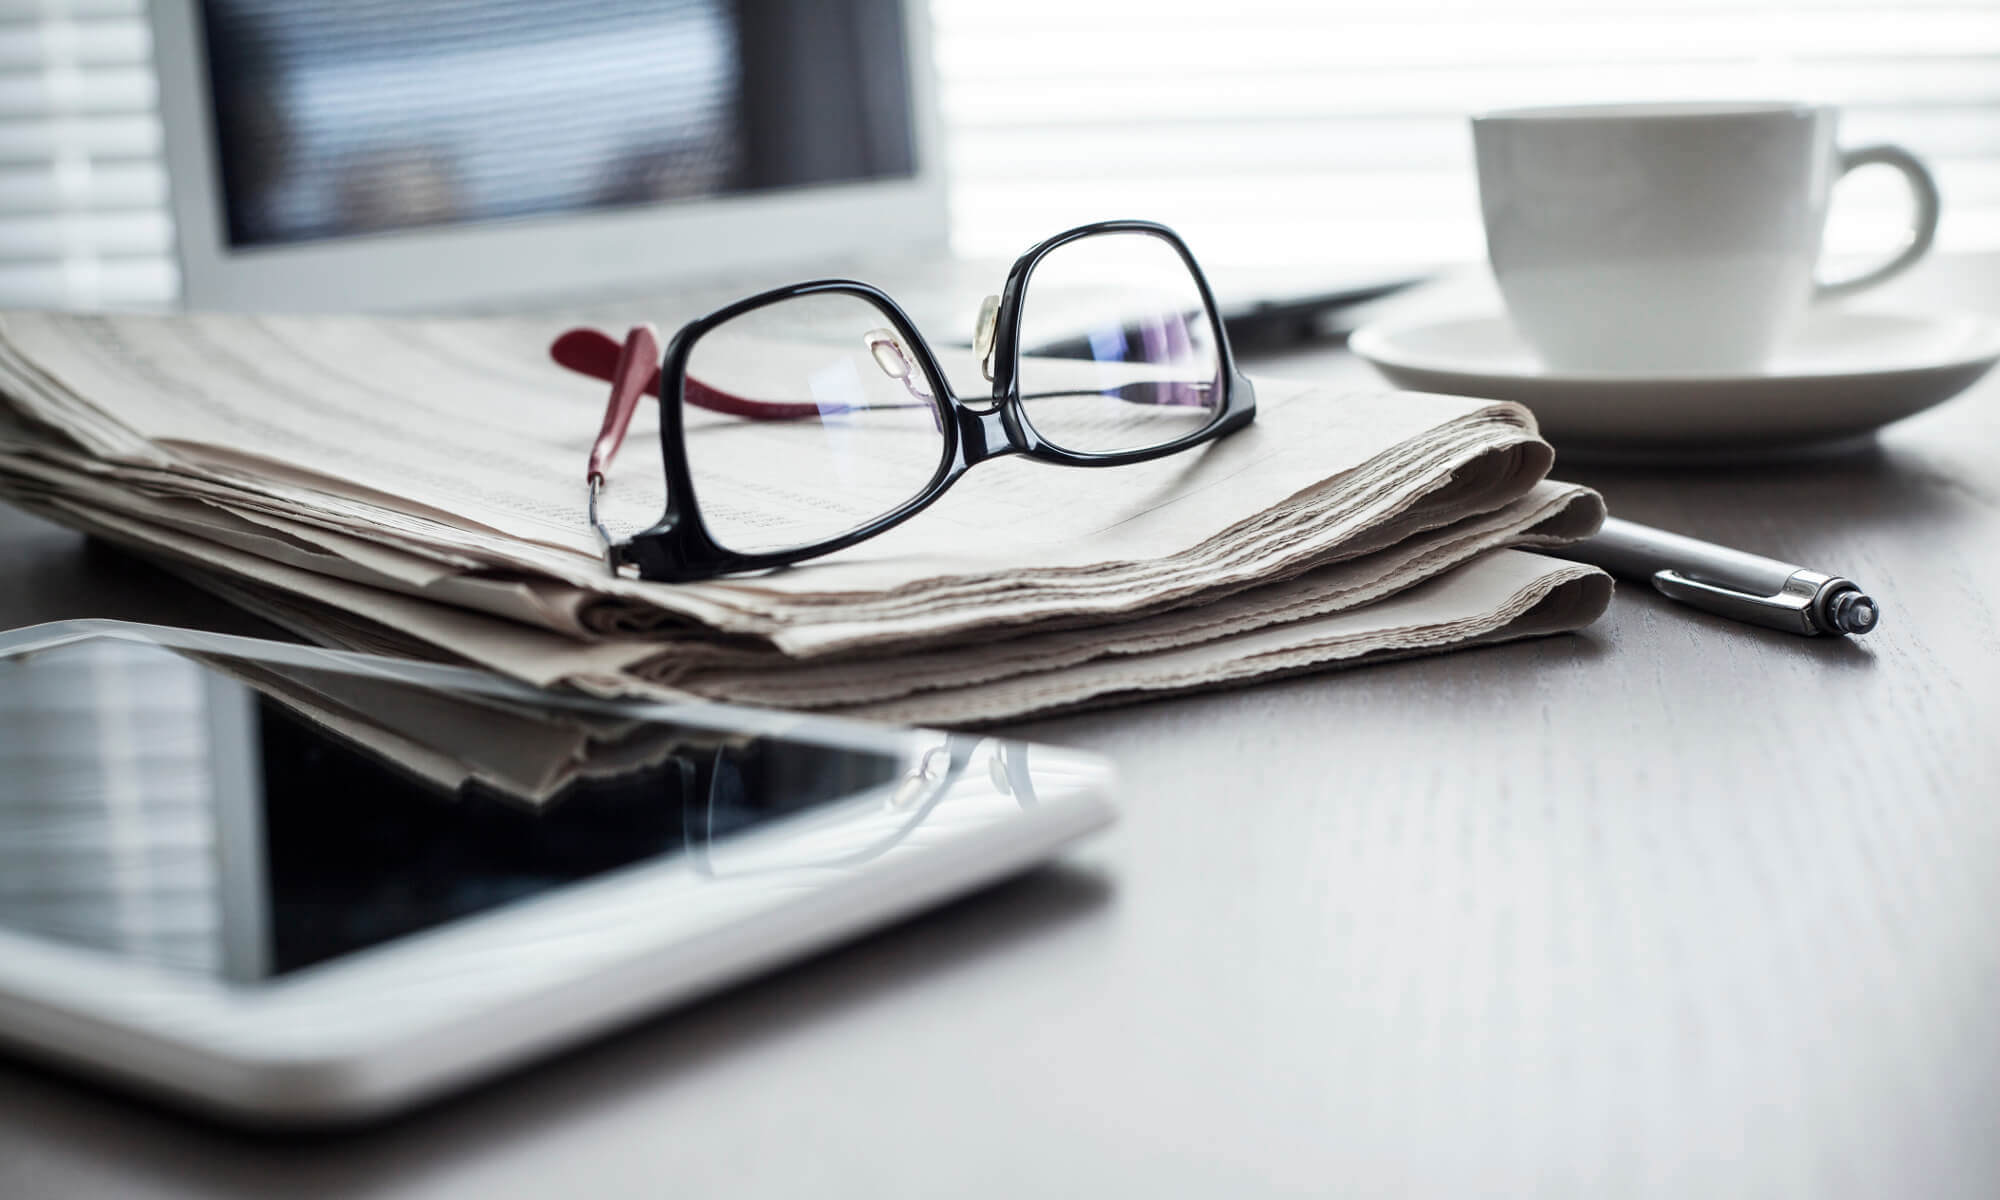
805 419
1117 348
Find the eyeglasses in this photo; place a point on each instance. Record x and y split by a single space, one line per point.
803 420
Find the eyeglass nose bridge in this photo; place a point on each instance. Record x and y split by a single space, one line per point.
984 433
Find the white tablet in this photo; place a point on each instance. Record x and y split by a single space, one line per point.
294 886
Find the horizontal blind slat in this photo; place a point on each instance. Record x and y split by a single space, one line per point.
1359 194
89 186
40 11
1479 42
51 94
139 283
1107 115
94 137
1355 145
88 44
1065 16
85 234
1372 89
1362 146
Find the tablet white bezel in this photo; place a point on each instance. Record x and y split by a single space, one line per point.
486 992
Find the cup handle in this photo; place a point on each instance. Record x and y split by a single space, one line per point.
1923 228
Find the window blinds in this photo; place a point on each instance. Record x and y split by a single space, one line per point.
83 190
1297 130
1268 130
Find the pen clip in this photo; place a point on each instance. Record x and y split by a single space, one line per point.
1790 609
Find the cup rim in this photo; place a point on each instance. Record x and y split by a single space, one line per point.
1649 110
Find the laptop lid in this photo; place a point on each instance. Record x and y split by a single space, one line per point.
375 155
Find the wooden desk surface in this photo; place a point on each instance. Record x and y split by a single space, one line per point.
1675 907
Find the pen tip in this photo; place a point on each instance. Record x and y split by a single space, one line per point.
1854 612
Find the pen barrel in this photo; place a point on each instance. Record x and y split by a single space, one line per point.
1638 552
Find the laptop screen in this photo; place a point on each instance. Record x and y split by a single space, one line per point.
336 118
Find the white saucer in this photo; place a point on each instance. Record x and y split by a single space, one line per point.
1844 375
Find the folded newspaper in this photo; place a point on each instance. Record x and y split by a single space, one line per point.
415 487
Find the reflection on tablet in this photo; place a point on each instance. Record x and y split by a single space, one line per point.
244 820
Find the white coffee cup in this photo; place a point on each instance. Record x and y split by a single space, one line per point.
1669 238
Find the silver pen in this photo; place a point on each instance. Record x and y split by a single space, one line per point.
1748 587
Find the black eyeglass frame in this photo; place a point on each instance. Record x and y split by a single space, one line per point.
679 548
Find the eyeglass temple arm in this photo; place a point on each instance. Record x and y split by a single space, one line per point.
632 371
597 354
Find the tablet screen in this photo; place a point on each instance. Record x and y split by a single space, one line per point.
243 820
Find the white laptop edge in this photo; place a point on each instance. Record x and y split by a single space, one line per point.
532 258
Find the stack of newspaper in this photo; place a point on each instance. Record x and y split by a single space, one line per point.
416 487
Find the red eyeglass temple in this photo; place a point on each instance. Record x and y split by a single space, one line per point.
633 369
